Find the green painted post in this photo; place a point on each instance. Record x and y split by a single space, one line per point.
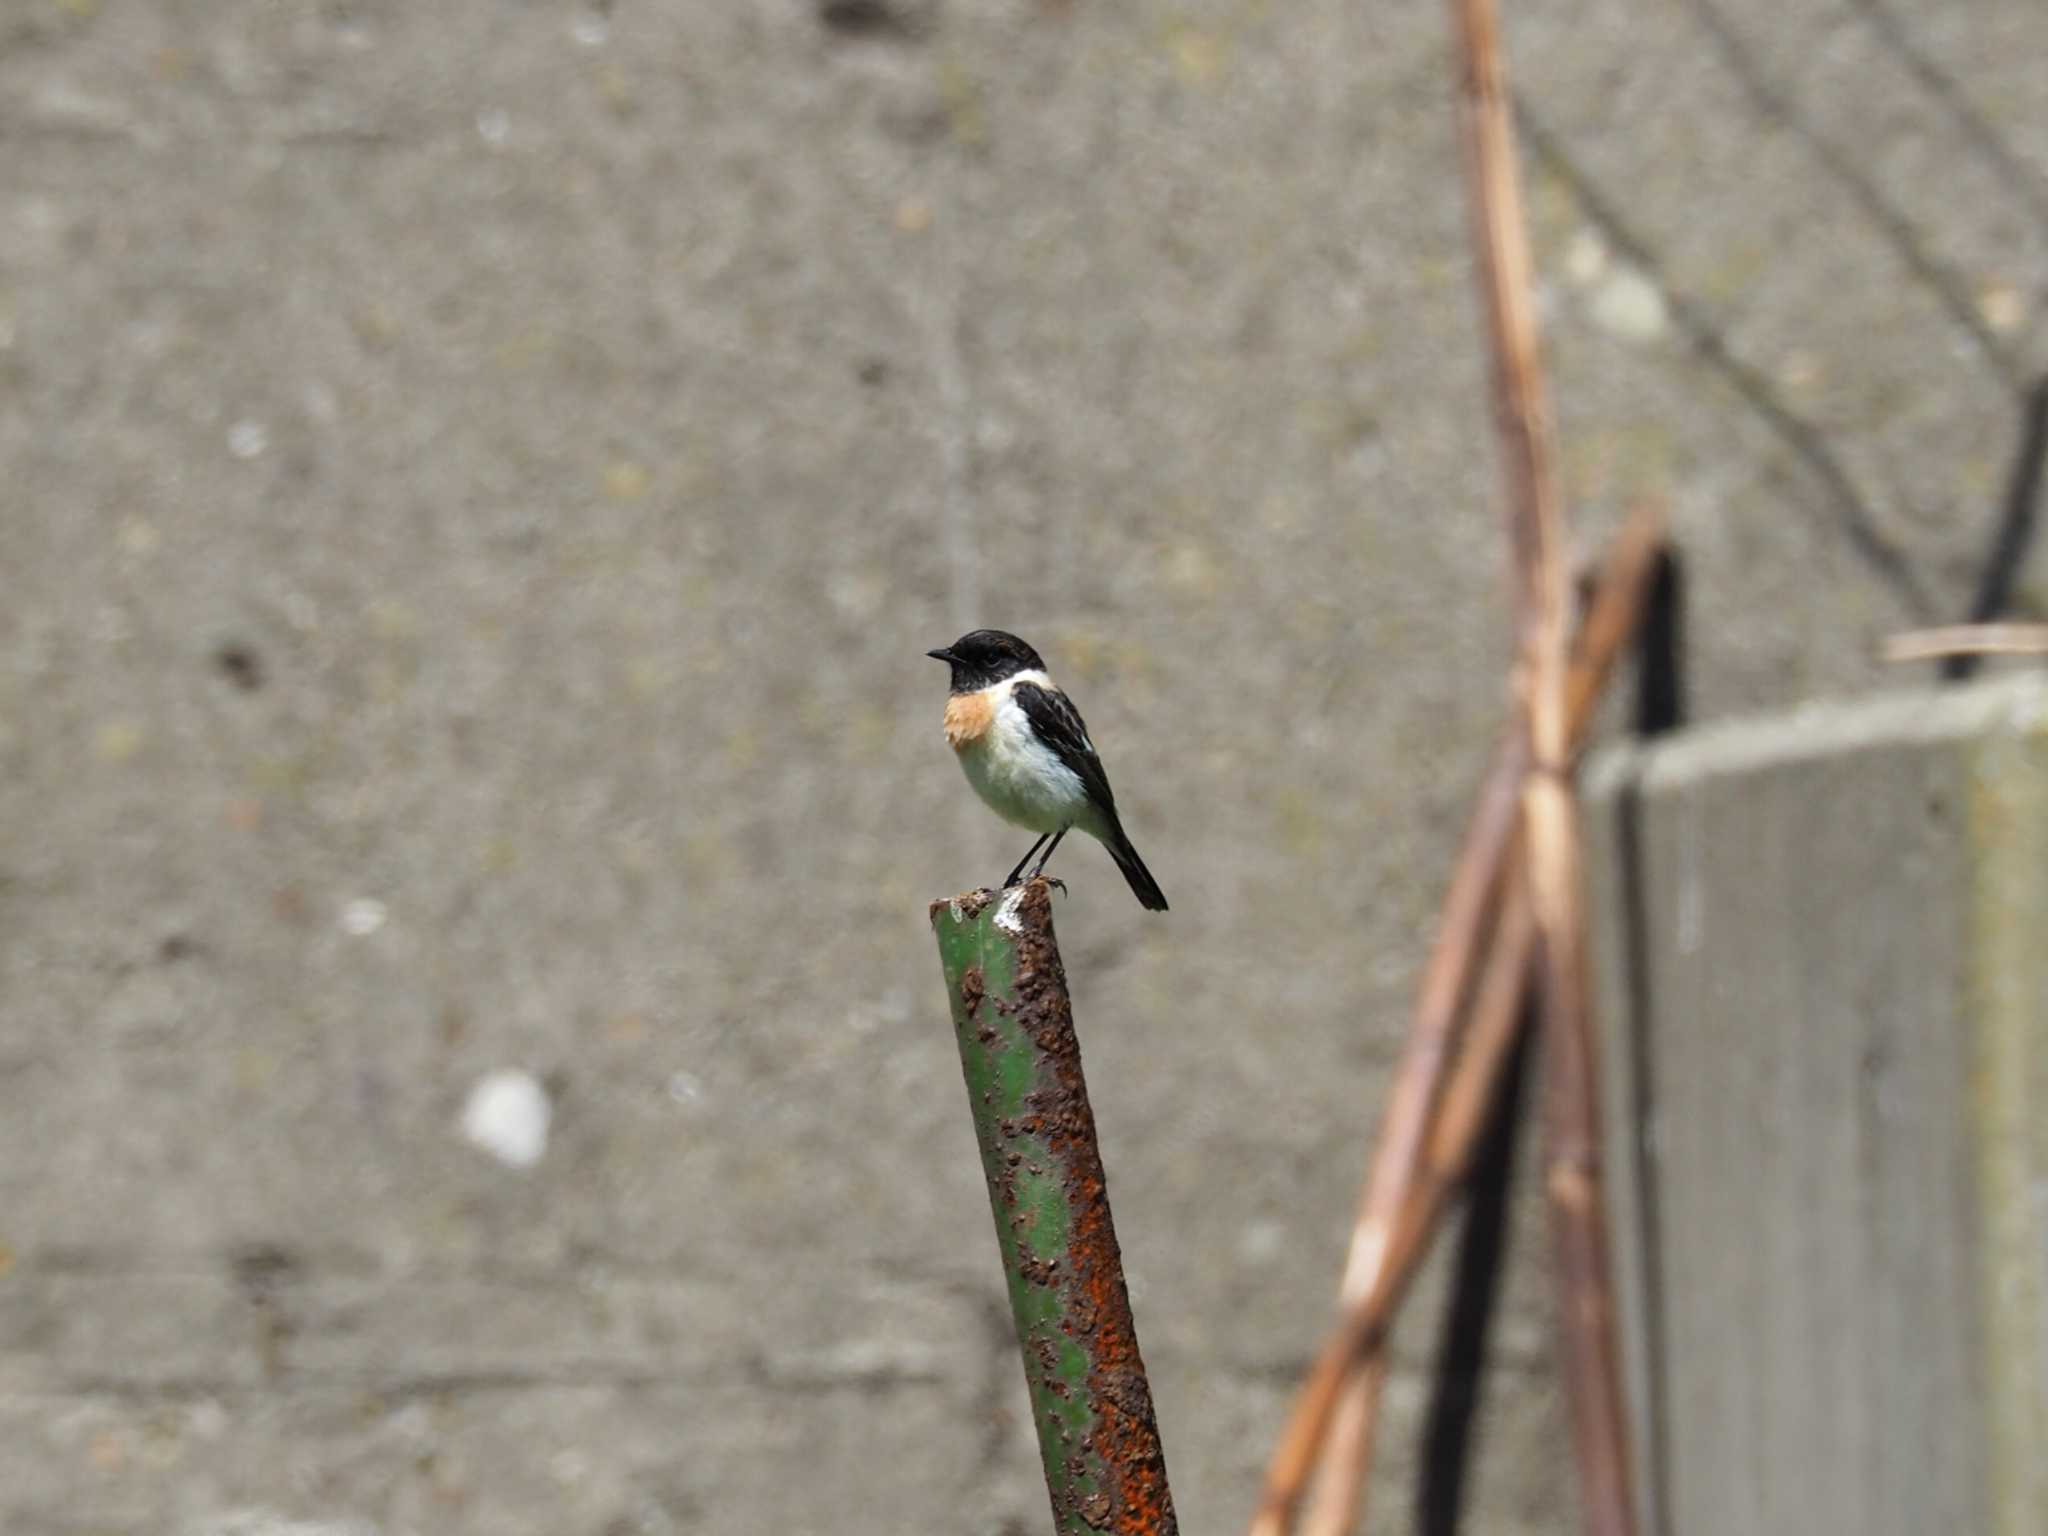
1089 1397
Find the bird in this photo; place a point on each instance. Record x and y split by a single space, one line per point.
1024 748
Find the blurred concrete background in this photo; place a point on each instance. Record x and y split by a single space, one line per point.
480 479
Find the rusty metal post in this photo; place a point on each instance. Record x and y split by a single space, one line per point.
1089 1397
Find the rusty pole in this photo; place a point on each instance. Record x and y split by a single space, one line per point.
1089 1397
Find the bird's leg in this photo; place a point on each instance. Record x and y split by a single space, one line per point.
1017 874
1047 854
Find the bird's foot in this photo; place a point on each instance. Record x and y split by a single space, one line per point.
1051 880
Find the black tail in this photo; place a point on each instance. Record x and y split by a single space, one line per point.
1143 886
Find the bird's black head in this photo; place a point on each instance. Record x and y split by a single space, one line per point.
984 657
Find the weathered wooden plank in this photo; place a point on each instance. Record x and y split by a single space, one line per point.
1824 996
1632 1223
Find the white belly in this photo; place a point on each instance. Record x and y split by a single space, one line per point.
1022 780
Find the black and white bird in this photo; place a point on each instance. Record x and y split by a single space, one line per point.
1026 751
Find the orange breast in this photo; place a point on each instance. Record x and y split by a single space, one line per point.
968 717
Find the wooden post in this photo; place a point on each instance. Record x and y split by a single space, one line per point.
1822 959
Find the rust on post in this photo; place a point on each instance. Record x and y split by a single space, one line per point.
1091 1402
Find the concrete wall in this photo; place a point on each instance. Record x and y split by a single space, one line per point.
479 480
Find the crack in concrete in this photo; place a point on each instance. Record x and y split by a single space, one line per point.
2025 186
1778 106
1855 518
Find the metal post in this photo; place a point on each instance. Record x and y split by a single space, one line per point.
1089 1397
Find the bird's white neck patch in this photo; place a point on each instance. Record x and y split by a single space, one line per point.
1003 689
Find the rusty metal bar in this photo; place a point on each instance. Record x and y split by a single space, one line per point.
1089 1396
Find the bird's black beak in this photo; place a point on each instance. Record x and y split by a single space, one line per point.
942 654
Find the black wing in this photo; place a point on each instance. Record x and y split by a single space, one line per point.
1059 726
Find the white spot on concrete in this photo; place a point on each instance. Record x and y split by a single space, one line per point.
138 537
1627 304
507 1115
1585 259
893 1007
493 127
248 439
264 1523
858 1360
2003 307
2029 712
363 916
994 435
40 223
685 1087
590 29
60 108
1260 1242
1801 371
856 595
